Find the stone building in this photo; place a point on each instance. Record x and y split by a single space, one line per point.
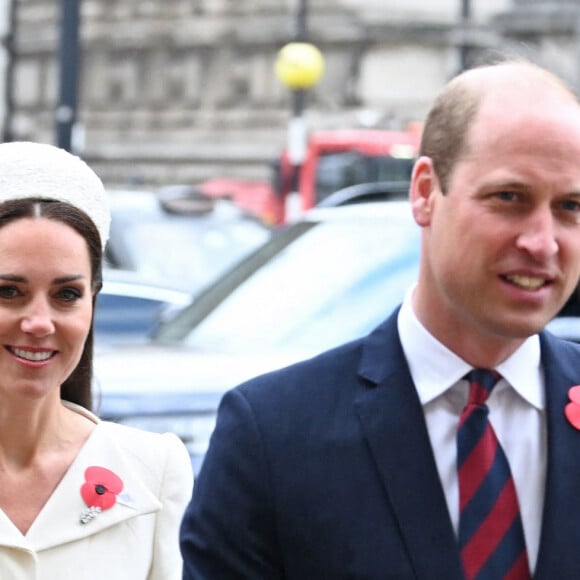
177 91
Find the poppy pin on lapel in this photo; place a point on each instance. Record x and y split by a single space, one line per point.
99 491
572 409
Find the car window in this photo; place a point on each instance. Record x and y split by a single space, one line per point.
189 251
338 170
129 315
320 290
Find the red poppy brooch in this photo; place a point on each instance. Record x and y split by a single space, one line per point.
99 491
572 409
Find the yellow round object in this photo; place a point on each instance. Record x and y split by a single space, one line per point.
299 65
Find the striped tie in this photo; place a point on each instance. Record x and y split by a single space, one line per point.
491 537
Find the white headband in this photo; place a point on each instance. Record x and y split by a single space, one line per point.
29 170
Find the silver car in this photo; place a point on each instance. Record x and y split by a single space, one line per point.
322 281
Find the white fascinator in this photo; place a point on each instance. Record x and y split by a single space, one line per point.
38 170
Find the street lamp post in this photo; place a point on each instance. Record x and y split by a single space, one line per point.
299 66
66 112
464 48
300 35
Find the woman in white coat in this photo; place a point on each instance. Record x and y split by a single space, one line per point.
79 498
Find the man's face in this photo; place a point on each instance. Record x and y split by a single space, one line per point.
502 245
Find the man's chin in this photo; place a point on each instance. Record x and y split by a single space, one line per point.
522 328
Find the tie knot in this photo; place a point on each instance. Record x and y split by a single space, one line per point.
481 383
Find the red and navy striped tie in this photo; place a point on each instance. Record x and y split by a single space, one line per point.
491 536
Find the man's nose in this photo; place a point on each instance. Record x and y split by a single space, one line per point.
539 237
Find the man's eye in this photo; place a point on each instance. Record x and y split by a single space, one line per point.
571 205
506 195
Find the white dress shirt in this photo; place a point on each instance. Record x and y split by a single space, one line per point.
516 412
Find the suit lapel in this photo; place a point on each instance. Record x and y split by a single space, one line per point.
560 537
394 426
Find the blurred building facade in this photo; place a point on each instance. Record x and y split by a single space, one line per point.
178 91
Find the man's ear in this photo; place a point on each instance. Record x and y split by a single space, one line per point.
424 182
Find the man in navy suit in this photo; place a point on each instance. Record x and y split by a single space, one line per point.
344 466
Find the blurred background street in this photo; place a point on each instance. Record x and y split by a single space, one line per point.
257 155
182 91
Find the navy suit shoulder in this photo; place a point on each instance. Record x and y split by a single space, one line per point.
317 379
297 482
343 369
324 470
564 353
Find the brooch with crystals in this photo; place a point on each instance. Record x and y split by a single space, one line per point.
99 491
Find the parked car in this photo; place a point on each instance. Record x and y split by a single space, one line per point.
324 280
176 235
367 192
130 307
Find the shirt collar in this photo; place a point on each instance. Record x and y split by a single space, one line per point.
434 368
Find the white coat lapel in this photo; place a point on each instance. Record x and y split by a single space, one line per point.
59 520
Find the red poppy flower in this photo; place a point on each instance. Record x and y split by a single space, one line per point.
101 487
572 409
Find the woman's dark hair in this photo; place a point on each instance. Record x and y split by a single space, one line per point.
77 388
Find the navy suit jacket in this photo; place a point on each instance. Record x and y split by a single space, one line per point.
324 470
